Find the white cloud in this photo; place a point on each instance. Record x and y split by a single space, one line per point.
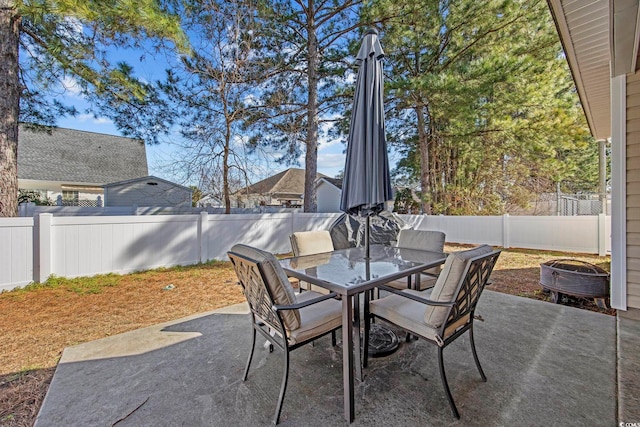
251 100
331 161
350 78
73 28
324 144
96 120
71 86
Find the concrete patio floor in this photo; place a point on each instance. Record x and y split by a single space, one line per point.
546 364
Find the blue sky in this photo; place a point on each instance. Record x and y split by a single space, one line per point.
330 152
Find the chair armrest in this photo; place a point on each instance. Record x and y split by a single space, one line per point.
302 304
416 298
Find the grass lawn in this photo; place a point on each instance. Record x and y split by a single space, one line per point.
39 321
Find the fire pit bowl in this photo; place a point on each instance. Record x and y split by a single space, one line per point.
577 278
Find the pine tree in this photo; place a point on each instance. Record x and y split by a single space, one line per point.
301 60
208 96
480 101
42 42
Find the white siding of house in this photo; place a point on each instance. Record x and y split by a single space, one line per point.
328 197
144 193
633 190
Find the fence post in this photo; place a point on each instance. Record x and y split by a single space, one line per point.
203 227
293 222
43 264
505 231
602 234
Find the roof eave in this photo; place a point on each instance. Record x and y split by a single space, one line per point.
591 76
623 16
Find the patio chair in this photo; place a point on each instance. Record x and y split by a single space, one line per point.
443 313
286 320
311 243
426 240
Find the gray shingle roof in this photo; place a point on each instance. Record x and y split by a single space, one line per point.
336 182
76 156
290 181
146 178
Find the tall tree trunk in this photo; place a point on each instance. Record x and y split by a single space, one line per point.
435 166
311 156
227 145
9 108
425 166
225 172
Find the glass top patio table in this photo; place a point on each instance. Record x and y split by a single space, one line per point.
348 273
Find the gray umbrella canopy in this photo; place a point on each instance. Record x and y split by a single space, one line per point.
366 184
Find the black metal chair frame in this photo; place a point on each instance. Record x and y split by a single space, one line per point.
266 317
467 294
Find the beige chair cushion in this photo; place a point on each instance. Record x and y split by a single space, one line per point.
277 282
404 312
316 319
448 281
409 314
426 240
311 242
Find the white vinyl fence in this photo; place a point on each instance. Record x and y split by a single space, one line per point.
588 234
31 209
31 249
16 252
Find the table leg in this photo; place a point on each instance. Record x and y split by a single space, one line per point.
367 327
416 286
347 357
357 339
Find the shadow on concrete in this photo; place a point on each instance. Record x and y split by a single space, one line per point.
546 365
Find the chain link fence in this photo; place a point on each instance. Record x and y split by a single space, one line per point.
554 204
580 204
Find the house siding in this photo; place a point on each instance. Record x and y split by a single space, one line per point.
633 191
141 193
328 198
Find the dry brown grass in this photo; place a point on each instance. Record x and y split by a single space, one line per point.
37 323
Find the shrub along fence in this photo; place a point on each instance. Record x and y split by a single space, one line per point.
31 249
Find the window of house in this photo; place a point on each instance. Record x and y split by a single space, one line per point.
70 198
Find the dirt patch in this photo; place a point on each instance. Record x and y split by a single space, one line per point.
21 396
36 324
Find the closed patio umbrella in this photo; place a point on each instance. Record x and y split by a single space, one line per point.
366 184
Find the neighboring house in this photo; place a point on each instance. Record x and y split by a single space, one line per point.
328 193
210 201
601 41
285 189
147 191
76 164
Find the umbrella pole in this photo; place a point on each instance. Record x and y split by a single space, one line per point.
366 237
